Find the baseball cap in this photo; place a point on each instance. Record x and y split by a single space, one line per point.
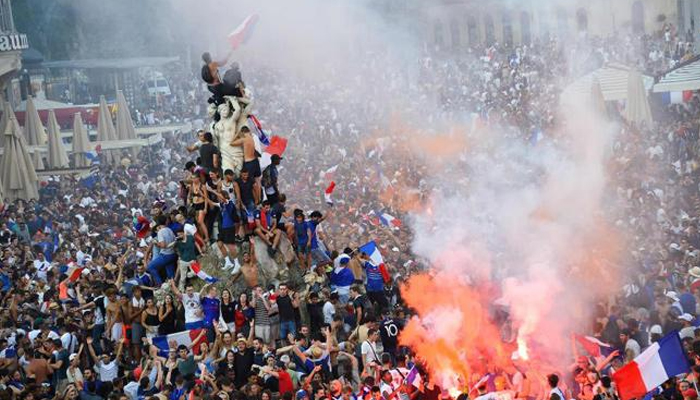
72 357
686 317
276 157
302 394
673 296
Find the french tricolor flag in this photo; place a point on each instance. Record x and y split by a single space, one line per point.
277 146
192 338
242 33
388 220
659 362
375 256
328 192
197 270
593 346
74 271
676 97
257 127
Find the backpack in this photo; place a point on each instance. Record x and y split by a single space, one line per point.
206 74
266 179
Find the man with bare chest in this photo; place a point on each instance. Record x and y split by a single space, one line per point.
250 159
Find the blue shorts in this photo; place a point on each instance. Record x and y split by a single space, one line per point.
304 249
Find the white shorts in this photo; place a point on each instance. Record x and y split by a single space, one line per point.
117 331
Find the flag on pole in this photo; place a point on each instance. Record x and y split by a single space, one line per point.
257 127
412 375
388 220
329 191
593 346
197 269
190 338
243 32
74 271
328 174
659 362
277 146
375 256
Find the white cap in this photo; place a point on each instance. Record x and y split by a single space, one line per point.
673 295
686 317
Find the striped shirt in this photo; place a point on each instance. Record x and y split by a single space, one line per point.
261 315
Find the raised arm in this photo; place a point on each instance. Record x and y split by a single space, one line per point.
91 350
175 290
120 348
251 334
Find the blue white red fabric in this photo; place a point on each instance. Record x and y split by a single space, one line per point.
593 346
372 251
243 32
375 256
659 362
412 376
74 271
197 270
389 220
676 97
258 129
188 338
277 146
328 192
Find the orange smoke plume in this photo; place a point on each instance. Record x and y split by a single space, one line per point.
453 335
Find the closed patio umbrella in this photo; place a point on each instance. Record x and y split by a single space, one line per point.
597 98
19 179
37 160
125 125
33 128
57 157
638 110
6 111
81 144
106 131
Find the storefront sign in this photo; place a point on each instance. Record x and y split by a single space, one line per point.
17 41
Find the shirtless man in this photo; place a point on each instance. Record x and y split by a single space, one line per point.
115 315
249 269
250 159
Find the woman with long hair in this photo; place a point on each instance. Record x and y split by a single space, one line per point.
199 203
150 319
166 316
228 310
244 313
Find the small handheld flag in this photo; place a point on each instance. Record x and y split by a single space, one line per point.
327 194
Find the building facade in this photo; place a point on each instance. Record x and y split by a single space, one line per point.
454 24
11 45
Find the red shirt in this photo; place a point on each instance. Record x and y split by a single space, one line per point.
285 382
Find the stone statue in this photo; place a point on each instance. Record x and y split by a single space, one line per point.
225 130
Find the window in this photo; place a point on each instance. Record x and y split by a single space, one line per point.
562 23
439 40
472 31
489 29
582 20
6 22
507 30
638 17
455 34
525 35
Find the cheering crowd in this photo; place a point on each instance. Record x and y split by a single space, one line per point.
169 277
